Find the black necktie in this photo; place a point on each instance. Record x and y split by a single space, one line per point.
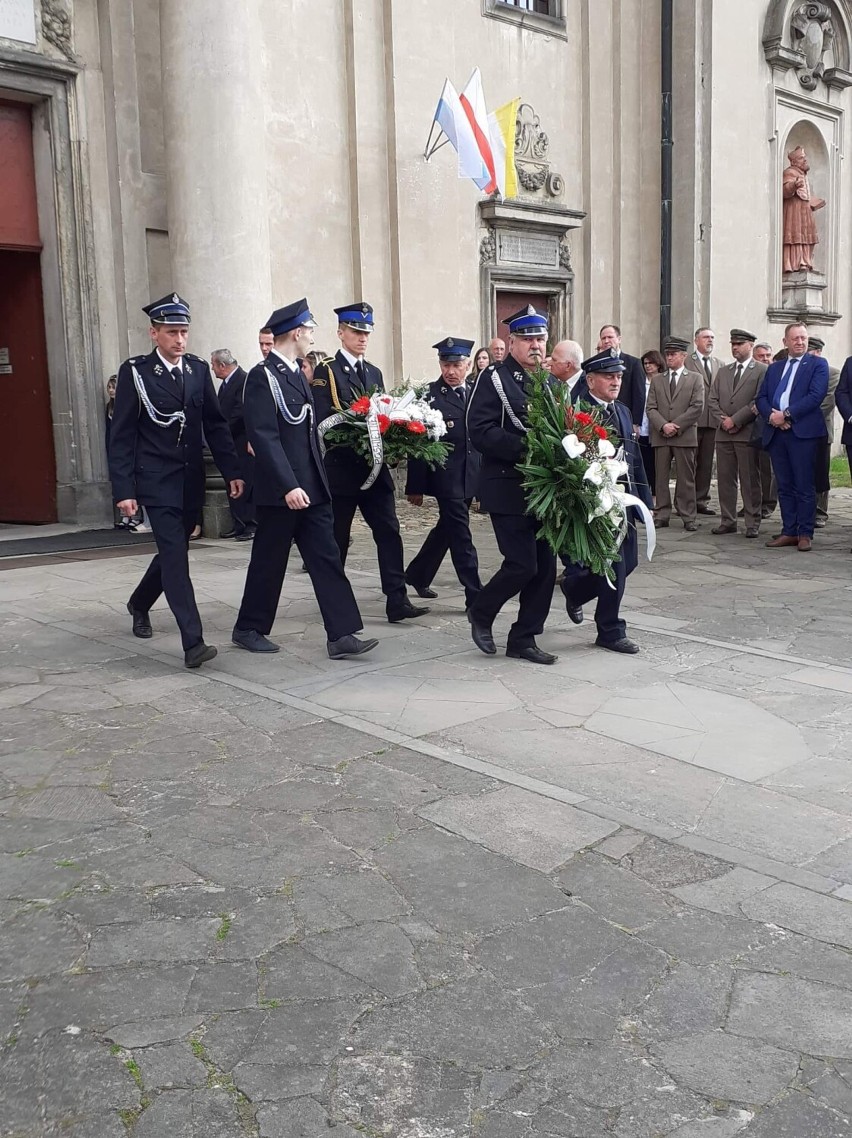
738 374
673 383
177 376
359 371
460 392
708 371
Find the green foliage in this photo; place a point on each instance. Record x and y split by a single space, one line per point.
397 442
557 494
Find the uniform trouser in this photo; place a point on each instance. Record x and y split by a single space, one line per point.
793 463
768 488
648 461
169 571
685 500
378 509
313 531
528 569
849 459
704 464
580 586
452 533
736 465
822 475
242 508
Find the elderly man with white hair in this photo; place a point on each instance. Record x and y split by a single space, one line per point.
566 362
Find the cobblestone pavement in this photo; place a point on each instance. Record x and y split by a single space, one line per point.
430 894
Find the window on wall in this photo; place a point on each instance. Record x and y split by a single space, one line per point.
537 15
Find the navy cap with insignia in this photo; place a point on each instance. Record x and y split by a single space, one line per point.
675 344
740 336
296 315
528 322
608 362
171 309
453 348
358 315
815 344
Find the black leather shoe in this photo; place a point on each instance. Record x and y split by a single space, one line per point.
230 533
405 611
246 535
349 646
199 654
691 527
427 594
141 623
624 645
253 641
575 612
482 636
706 510
533 654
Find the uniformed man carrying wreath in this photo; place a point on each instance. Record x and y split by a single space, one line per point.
162 403
496 424
336 384
453 486
291 495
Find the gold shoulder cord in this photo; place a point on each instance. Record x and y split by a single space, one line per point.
332 384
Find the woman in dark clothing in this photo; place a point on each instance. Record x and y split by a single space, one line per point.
654 364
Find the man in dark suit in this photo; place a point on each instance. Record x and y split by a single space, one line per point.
789 401
336 384
633 380
603 374
496 424
231 380
162 403
292 497
822 473
843 402
453 486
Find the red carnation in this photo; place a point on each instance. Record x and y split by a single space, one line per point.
384 423
600 432
416 427
583 417
360 406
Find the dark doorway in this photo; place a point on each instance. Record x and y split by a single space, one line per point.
508 303
27 459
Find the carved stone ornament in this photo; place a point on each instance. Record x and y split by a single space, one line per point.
531 155
488 248
564 253
812 32
56 25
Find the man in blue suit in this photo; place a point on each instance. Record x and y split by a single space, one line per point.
600 391
163 403
789 401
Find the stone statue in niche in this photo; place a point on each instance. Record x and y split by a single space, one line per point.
800 230
813 33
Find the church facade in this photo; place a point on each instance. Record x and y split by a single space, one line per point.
246 155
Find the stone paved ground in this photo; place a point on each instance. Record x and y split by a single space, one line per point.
431 894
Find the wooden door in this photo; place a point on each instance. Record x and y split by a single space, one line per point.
508 303
27 459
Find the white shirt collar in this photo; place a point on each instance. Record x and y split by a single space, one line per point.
170 367
291 364
350 359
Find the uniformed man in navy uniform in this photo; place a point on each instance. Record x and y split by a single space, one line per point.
496 425
336 384
291 495
453 486
162 403
603 373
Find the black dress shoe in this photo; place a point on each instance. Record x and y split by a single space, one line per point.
230 533
246 535
575 612
199 654
349 646
427 594
405 611
624 645
482 636
253 641
706 510
691 527
533 654
141 623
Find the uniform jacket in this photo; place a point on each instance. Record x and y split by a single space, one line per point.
162 466
286 456
231 402
580 394
685 409
806 395
695 363
843 399
725 400
633 387
828 404
491 431
460 477
335 385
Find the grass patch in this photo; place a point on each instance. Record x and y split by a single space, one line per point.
133 1067
198 1049
225 926
67 863
263 1002
839 472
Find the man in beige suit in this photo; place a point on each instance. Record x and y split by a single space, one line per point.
732 393
675 403
704 363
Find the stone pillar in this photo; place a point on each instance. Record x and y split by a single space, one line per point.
212 60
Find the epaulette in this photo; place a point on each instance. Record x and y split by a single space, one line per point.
190 356
325 362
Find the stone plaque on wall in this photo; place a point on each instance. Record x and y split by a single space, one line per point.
529 249
17 20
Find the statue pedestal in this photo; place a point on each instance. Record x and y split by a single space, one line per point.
803 292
